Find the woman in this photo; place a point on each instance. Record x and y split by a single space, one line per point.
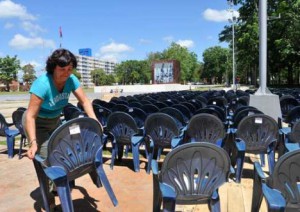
48 95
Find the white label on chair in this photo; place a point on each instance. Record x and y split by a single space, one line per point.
214 103
258 121
74 129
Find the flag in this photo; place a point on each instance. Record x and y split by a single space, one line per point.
60 32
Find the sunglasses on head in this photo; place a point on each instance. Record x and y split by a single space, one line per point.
63 61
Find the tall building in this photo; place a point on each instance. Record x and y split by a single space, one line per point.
86 64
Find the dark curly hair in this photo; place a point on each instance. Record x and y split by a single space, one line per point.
62 58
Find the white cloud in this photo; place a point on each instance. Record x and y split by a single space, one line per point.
22 42
33 29
218 15
8 25
144 41
9 9
115 48
113 52
185 43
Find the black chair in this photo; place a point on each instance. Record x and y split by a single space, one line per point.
281 188
287 103
120 107
138 115
190 106
190 174
293 116
71 112
256 134
150 108
206 127
74 149
176 114
17 121
184 110
101 113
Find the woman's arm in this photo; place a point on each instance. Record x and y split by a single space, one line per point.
31 113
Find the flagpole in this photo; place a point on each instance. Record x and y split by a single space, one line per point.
60 35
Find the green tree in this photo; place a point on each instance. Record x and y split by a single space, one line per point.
9 67
99 77
133 71
215 68
29 74
283 37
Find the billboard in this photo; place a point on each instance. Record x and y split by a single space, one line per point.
85 52
166 71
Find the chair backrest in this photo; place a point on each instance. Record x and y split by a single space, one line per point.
69 111
211 111
3 125
161 128
294 135
286 177
205 127
74 146
122 126
240 115
17 120
176 114
293 116
195 171
287 103
138 115
101 113
258 131
150 108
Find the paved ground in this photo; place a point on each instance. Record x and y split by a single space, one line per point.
19 189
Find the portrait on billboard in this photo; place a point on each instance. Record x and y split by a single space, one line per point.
165 72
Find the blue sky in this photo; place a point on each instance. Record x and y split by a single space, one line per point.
115 30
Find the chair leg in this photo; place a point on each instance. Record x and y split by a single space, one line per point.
239 165
136 157
64 193
106 184
214 205
262 160
44 185
271 161
257 194
22 142
157 198
10 141
113 155
169 204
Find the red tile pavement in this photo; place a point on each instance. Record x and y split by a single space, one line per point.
19 187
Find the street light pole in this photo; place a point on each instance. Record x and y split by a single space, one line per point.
232 21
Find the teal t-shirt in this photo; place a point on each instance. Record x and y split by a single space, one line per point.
54 101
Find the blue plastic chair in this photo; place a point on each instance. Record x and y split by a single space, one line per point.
161 131
17 121
10 134
190 174
281 189
74 149
121 127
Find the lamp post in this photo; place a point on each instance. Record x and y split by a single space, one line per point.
232 20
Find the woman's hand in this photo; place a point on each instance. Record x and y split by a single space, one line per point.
32 150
